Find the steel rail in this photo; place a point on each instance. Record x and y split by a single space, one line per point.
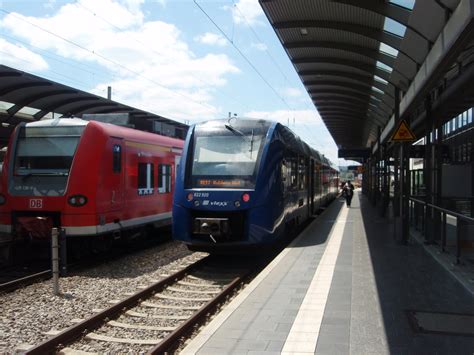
196 318
24 281
75 331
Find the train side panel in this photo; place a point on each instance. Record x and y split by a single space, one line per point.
228 218
119 178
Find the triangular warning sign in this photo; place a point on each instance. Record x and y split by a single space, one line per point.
403 133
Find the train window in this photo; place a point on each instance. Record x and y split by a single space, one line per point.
302 173
285 175
164 178
145 179
117 158
294 173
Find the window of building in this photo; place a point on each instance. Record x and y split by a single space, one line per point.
394 27
145 179
164 178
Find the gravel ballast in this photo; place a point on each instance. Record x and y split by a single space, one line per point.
27 314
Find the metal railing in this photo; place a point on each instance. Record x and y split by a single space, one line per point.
415 205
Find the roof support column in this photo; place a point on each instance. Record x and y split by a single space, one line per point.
403 185
428 173
438 176
405 192
373 179
385 181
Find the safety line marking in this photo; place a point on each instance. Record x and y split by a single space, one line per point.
198 342
303 336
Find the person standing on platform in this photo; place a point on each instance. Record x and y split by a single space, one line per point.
348 192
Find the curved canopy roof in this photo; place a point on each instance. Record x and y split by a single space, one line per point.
27 90
354 56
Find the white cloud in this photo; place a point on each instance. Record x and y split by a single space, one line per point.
211 39
301 117
293 92
147 57
50 4
19 57
259 46
247 12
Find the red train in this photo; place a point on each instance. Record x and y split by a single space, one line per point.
87 177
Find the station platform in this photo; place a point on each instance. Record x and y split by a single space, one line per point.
345 286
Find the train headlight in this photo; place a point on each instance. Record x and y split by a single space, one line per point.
196 203
2 199
77 200
190 196
237 203
246 197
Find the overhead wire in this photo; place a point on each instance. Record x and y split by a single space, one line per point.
72 63
51 71
154 51
107 59
271 57
241 53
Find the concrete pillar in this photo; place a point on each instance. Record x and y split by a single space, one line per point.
428 173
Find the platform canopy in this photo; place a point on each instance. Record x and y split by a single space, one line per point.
23 90
351 55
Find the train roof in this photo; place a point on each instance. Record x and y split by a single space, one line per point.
58 122
286 135
108 128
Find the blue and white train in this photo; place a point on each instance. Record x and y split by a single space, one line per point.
246 183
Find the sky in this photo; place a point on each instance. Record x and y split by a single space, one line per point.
187 60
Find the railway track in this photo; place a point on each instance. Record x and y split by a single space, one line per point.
14 279
155 318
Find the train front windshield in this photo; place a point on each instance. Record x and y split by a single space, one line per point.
46 150
226 156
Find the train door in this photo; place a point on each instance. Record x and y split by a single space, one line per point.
116 181
311 187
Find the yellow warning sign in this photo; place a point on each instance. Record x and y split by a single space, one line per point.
403 133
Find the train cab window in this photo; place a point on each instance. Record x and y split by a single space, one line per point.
145 179
117 158
164 178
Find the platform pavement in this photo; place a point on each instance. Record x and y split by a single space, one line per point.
370 285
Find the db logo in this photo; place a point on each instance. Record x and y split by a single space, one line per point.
36 203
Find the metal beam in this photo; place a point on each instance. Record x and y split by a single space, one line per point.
30 99
355 105
56 106
22 86
362 85
343 74
82 109
375 34
363 99
366 31
374 54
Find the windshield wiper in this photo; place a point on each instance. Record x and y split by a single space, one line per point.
24 176
234 130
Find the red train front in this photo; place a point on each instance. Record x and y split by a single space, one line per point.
87 177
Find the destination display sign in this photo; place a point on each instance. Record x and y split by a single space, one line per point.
220 183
